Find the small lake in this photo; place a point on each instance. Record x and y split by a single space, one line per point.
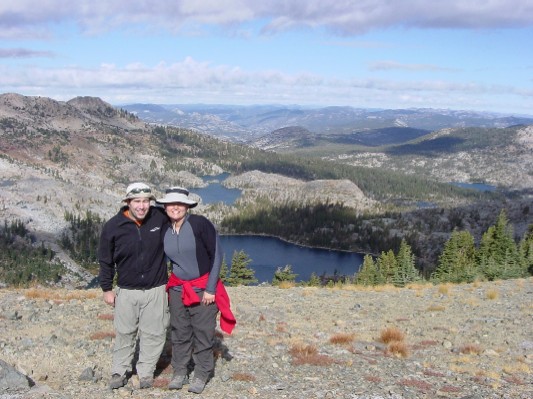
269 253
475 186
215 192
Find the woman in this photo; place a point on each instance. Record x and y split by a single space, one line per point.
195 291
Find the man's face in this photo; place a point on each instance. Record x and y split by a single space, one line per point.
176 211
139 207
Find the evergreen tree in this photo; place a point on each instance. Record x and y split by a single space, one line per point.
526 251
224 271
240 273
457 262
498 253
283 274
368 274
406 271
314 280
386 266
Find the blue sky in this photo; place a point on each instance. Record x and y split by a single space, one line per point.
451 54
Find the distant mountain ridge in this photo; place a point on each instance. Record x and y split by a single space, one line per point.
248 123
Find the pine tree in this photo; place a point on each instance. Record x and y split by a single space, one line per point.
314 280
283 274
498 253
224 271
367 275
240 273
406 272
525 250
386 265
457 262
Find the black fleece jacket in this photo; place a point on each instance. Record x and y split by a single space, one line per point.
135 252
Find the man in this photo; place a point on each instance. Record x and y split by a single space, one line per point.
131 246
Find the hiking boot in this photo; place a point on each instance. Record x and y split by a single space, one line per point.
117 381
146 382
177 381
197 386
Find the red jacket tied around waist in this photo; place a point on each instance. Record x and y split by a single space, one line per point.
190 297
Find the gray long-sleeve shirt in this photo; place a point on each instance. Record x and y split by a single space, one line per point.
195 250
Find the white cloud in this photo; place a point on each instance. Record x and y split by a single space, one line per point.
350 17
194 81
393 65
24 53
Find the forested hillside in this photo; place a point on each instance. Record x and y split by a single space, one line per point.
61 162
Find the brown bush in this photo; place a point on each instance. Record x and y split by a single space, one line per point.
342 338
391 334
308 354
398 348
470 349
243 377
102 335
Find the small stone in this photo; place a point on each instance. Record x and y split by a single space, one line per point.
447 344
87 374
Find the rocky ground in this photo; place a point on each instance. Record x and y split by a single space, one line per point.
451 341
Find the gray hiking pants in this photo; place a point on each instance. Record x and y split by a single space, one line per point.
192 335
141 314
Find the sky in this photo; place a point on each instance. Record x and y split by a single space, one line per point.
446 54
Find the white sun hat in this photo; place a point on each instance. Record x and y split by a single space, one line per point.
138 190
177 195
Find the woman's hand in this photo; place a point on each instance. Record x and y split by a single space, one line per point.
208 298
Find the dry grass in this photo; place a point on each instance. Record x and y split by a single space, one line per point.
517 368
398 348
386 288
308 291
286 285
414 383
436 308
492 293
308 354
342 338
470 349
450 389
243 377
106 316
471 301
433 373
391 334
281 326
99 335
444 289
373 378
418 286
394 338
59 294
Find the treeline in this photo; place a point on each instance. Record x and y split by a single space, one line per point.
22 263
328 225
497 257
81 239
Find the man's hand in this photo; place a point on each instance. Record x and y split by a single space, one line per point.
109 298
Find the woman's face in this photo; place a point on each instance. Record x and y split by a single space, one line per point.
176 211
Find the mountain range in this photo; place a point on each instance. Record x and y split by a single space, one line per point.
78 156
248 123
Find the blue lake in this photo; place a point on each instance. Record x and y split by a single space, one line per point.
475 186
269 253
216 192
